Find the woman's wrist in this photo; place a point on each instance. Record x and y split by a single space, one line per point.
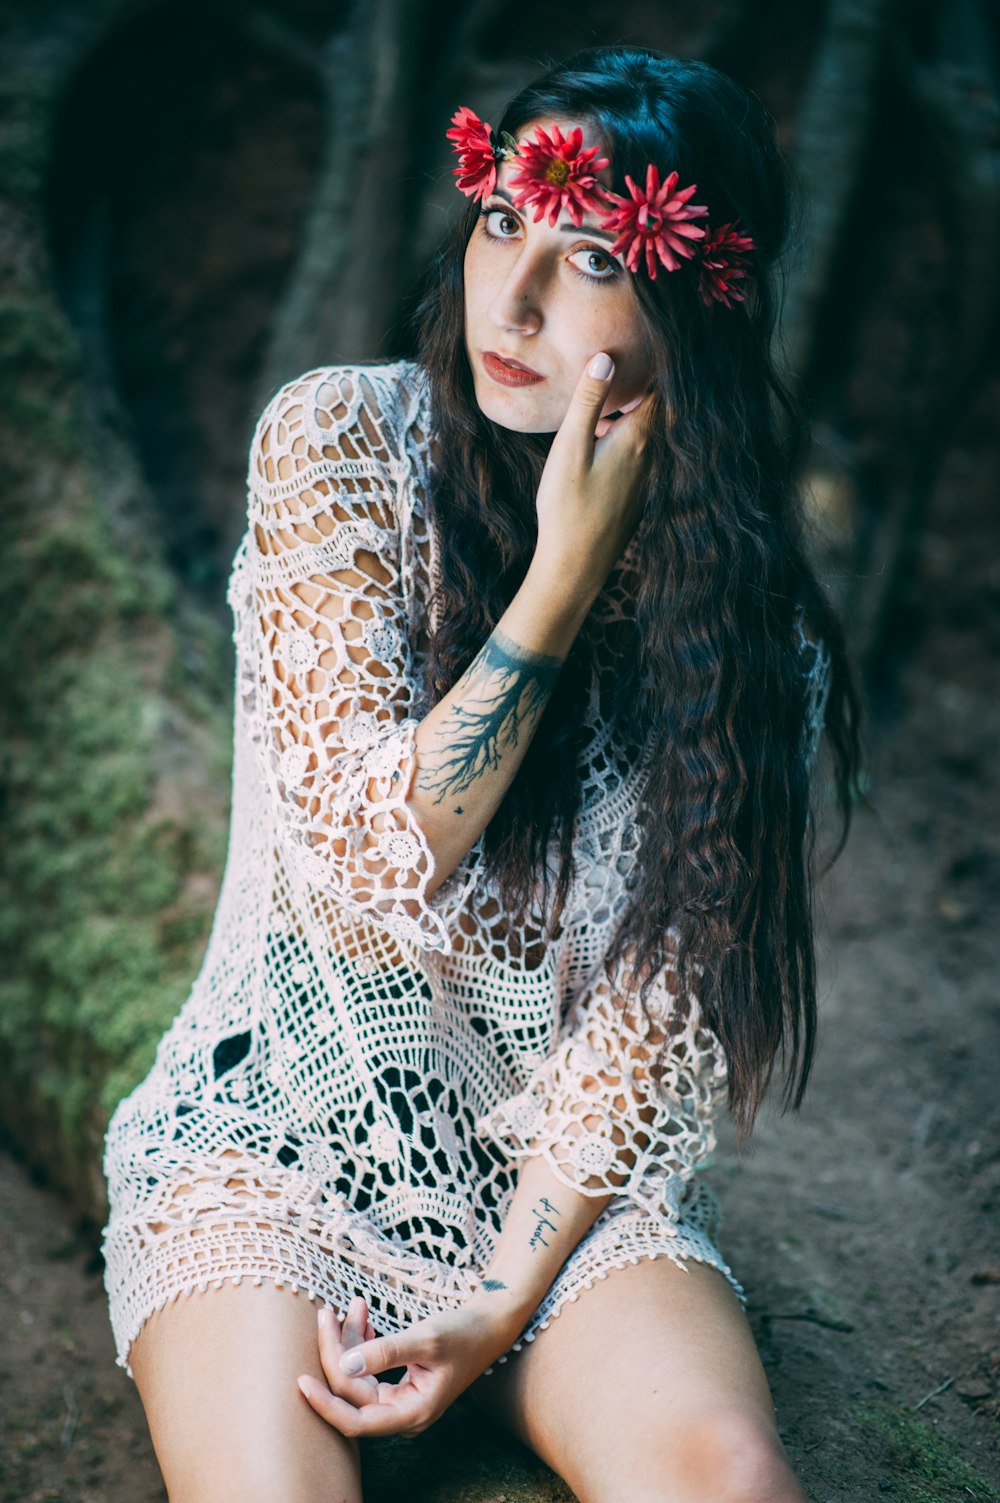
564 588
506 1311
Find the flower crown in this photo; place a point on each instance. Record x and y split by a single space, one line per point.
655 224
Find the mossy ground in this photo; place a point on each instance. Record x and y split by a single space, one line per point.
922 1464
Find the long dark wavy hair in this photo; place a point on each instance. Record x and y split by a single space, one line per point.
722 884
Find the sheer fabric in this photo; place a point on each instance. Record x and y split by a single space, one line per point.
342 1101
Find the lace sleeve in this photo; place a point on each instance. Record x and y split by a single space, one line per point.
814 657
606 1118
336 739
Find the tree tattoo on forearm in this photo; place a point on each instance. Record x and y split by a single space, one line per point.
513 685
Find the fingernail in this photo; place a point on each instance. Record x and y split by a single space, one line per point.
304 1386
322 1316
351 1362
601 367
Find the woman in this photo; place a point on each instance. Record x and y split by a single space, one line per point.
531 670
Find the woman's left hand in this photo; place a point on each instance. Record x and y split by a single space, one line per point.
442 1355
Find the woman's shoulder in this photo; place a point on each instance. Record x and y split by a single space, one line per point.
355 413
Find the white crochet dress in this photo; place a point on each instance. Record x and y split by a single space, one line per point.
341 1103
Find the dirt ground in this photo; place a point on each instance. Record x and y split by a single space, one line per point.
864 1227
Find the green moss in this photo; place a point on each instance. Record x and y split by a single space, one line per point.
102 938
27 104
925 1465
33 335
111 689
65 583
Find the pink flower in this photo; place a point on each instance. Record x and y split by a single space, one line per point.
558 175
477 157
723 262
656 222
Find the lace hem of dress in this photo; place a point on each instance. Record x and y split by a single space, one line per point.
193 1261
197 1257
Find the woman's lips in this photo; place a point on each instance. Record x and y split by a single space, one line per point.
508 375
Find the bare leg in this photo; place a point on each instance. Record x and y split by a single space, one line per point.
216 1372
648 1387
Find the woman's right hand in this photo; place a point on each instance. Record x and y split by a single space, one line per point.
590 494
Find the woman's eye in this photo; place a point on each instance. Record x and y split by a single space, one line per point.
489 214
604 270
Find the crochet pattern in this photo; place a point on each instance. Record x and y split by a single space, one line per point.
342 1101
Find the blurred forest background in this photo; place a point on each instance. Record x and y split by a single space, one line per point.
201 200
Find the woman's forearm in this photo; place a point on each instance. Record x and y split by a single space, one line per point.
545 1221
471 744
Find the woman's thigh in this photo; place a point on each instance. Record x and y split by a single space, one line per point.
216 1371
649 1387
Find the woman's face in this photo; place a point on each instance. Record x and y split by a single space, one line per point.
548 297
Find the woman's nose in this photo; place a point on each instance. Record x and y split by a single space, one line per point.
516 305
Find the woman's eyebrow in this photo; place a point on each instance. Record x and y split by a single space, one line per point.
576 229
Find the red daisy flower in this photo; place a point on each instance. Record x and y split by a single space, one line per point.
477 157
723 262
557 175
656 222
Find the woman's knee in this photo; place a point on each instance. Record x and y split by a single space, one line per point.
717 1458
727 1457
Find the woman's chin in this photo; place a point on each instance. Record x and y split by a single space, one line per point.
520 416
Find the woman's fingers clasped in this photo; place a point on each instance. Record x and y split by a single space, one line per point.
335 1338
356 1326
341 1403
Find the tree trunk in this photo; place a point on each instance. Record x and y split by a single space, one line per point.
829 142
345 287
